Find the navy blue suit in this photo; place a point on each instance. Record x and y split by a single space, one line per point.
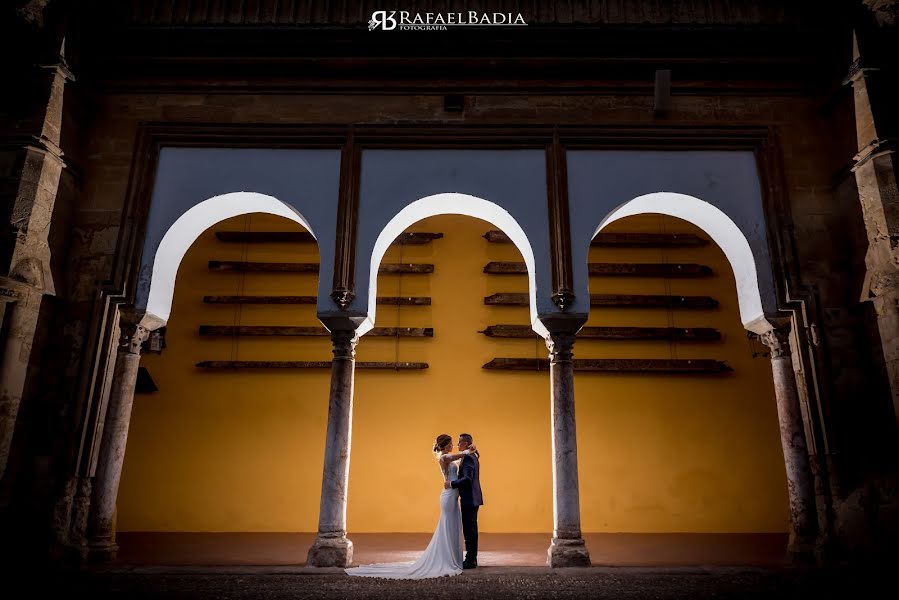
469 485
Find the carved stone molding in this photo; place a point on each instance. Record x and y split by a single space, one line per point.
344 342
778 342
560 346
132 337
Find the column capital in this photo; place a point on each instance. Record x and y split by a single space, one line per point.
344 341
777 341
13 290
135 326
560 345
132 336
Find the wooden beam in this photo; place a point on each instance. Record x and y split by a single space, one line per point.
616 365
625 240
648 270
286 330
405 300
616 301
614 269
614 333
651 301
262 267
289 267
389 300
260 299
305 364
265 237
416 238
406 268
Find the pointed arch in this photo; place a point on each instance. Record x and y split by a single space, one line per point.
190 225
722 230
452 204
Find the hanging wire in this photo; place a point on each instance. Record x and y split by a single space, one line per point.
669 312
238 311
399 293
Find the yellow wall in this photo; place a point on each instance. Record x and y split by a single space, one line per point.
242 451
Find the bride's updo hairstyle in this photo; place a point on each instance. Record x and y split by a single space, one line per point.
442 440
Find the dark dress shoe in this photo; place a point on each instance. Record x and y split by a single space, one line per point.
469 565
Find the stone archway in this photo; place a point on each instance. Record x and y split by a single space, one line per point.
722 230
150 311
453 204
731 239
188 227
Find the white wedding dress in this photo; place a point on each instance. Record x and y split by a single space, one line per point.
443 556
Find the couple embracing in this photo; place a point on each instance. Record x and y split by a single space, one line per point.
459 503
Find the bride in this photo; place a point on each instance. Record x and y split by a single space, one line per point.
443 556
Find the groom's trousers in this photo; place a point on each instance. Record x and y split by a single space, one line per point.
470 532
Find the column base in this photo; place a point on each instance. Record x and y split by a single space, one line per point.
827 550
102 551
330 552
801 554
568 553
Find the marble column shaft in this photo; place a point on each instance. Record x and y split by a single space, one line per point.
332 548
567 548
800 482
114 440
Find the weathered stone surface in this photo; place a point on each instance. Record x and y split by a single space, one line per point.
23 304
331 547
567 548
330 552
567 553
800 483
114 440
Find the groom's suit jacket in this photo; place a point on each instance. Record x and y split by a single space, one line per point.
468 482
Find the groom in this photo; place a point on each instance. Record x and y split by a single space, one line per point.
469 486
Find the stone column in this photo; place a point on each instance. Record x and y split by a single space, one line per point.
101 533
22 303
81 511
27 212
875 173
567 548
800 483
332 548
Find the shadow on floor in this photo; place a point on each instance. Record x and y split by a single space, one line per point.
496 549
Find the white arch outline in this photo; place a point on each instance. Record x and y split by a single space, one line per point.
722 230
452 203
188 227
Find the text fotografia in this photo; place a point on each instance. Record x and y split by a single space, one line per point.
405 20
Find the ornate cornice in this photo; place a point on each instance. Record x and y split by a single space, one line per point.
162 13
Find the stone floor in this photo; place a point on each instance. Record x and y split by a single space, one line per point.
765 550
237 582
269 566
